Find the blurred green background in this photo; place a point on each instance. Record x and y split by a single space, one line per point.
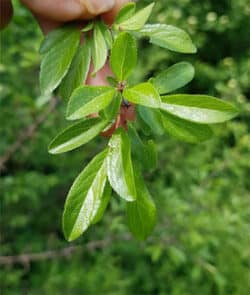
201 244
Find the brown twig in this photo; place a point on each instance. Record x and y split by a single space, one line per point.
26 134
66 252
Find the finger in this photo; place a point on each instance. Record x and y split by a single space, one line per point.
6 12
109 16
47 25
68 10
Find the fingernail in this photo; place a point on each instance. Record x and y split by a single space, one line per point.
96 7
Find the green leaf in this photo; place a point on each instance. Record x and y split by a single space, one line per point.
56 62
87 100
173 78
123 57
103 203
143 94
119 166
113 108
88 27
141 214
78 71
112 81
76 135
84 198
99 48
185 130
125 12
169 37
144 153
198 108
55 37
138 20
106 34
152 118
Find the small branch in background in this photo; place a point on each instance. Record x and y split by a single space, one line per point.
27 133
66 252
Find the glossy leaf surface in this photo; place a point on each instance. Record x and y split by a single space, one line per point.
138 20
84 198
76 135
141 214
56 62
119 166
198 108
78 71
87 100
123 57
185 130
174 77
144 94
169 37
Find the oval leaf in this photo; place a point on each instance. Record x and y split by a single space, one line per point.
76 135
138 20
99 48
55 37
123 57
119 166
174 77
169 37
141 214
84 198
56 62
198 108
143 94
144 153
78 71
125 12
87 100
152 118
185 130
103 203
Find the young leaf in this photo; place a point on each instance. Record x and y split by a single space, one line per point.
141 214
143 94
126 12
169 37
57 60
152 118
119 166
145 153
138 20
87 100
106 34
123 57
88 27
78 71
173 78
76 135
103 203
99 48
198 108
85 198
185 130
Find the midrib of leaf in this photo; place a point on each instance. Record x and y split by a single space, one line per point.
85 211
123 61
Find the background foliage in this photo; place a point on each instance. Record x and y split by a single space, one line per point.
201 243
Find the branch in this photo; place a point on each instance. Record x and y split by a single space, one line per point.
66 252
26 134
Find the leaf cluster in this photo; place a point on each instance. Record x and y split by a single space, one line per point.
66 63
